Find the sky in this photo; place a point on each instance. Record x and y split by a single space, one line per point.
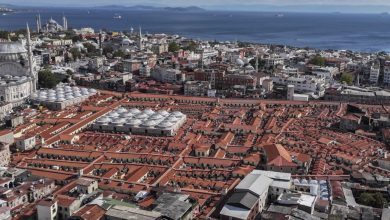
347 6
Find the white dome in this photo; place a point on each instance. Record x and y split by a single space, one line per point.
177 114
149 123
156 116
92 90
163 113
121 110
61 99
171 119
113 115
142 116
304 181
104 120
127 115
313 182
69 97
119 121
134 122
135 111
52 99
148 111
165 124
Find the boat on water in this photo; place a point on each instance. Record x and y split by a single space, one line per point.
117 16
280 15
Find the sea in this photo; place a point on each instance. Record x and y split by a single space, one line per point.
357 32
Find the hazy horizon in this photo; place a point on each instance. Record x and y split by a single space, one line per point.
347 6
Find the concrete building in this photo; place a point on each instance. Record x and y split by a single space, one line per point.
175 206
5 155
167 75
305 202
26 143
196 88
7 136
67 206
119 212
268 85
252 193
305 84
374 73
248 199
290 92
86 186
47 209
386 73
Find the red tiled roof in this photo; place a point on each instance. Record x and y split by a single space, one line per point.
277 155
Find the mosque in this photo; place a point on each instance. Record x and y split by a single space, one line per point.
51 26
18 72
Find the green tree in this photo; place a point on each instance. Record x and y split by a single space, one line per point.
107 50
46 79
76 54
118 53
375 200
347 78
69 72
261 63
173 47
192 46
4 34
318 61
90 48
76 38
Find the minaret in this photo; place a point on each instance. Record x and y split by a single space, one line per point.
140 47
39 22
38 26
65 23
30 60
257 62
100 42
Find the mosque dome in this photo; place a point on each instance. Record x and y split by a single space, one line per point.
12 48
12 51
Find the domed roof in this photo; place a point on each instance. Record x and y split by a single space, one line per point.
177 114
12 48
163 112
121 110
127 115
113 115
135 111
119 121
104 120
134 122
141 116
148 111
156 116
165 124
149 123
